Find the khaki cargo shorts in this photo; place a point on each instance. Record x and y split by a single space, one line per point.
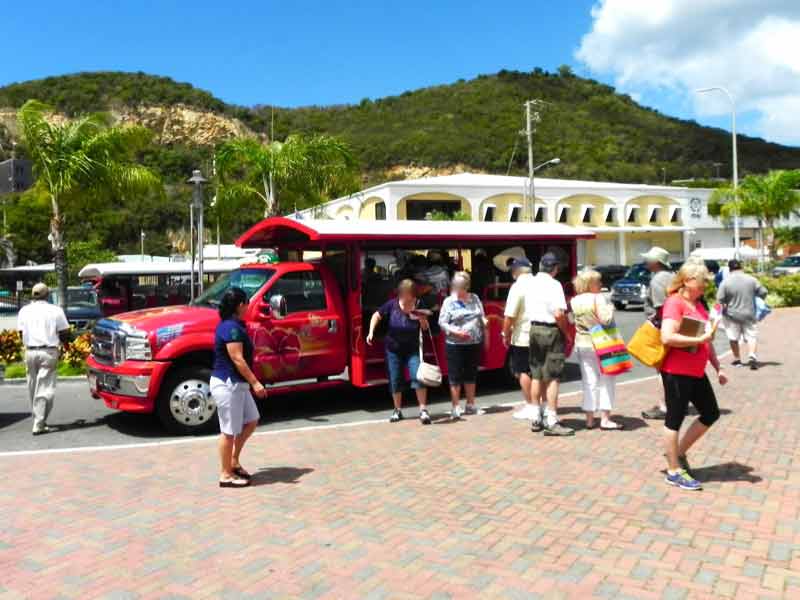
547 353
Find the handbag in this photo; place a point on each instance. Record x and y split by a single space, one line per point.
762 308
646 346
609 347
427 374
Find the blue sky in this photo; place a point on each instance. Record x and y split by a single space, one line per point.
308 52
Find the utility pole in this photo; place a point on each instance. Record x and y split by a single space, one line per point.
531 118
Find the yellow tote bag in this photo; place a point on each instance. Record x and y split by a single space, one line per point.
646 346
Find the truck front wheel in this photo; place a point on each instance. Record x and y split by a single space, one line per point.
185 405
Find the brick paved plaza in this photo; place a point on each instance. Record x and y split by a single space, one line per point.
480 508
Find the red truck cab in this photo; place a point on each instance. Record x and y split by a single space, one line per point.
307 318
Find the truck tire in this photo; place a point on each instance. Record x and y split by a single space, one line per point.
185 406
619 306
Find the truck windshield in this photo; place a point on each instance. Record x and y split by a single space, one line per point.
638 273
250 280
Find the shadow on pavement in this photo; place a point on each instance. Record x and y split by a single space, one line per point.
270 475
80 424
730 471
8 419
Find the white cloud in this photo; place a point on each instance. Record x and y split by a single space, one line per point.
752 47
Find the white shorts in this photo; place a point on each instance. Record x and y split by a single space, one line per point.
736 330
235 405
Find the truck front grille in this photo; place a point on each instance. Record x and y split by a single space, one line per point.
107 345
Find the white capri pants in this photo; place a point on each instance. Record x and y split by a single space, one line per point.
235 405
598 389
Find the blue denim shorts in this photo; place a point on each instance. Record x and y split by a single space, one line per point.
395 367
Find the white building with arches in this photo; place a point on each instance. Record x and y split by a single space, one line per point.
627 218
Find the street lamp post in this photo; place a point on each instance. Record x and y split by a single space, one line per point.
197 180
551 162
141 239
736 238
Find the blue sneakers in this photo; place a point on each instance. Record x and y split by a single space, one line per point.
683 480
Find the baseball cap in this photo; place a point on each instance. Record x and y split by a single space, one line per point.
657 255
40 291
520 263
549 261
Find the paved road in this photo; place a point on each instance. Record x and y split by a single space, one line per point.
479 508
83 421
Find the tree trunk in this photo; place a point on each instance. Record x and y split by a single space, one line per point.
269 193
773 251
59 252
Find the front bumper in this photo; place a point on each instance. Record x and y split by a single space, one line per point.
627 300
131 386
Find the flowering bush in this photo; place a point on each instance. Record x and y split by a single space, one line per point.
10 346
77 351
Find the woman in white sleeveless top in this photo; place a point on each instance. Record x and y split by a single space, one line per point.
590 307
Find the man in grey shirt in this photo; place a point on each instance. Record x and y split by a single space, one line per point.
737 295
657 261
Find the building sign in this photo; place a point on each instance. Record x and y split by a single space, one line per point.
696 208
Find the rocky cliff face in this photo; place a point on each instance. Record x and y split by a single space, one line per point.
182 124
176 124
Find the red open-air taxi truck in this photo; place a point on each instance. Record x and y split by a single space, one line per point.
308 313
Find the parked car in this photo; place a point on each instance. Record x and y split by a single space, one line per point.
788 266
611 274
83 308
631 290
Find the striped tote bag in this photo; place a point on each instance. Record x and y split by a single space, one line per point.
610 348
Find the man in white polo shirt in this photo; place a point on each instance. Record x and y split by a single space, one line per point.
43 326
546 309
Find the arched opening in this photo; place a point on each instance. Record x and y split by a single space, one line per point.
373 209
417 207
502 208
584 210
344 213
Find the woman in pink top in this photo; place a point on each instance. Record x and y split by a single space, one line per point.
684 371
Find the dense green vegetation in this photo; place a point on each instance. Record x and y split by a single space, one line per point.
597 133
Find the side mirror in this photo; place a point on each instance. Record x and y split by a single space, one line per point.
277 306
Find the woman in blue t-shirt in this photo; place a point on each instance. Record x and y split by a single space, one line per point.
231 381
404 317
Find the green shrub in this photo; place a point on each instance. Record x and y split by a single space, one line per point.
775 301
787 288
15 371
711 293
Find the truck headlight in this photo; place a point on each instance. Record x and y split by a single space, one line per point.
643 291
137 346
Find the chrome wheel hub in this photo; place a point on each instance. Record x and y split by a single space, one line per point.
191 404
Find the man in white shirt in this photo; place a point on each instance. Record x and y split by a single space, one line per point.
545 309
516 333
43 327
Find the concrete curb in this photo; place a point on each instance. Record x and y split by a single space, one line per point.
21 381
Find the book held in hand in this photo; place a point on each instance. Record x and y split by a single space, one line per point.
691 327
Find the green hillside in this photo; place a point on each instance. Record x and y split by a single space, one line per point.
598 134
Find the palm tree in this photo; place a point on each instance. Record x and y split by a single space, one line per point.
8 255
316 167
768 198
82 156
